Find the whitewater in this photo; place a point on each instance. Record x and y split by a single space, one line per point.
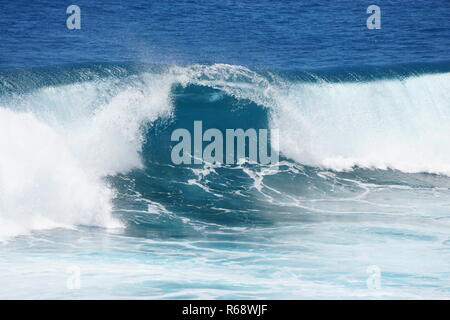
365 164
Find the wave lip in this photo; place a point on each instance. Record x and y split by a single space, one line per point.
396 120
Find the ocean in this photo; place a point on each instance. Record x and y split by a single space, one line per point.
93 207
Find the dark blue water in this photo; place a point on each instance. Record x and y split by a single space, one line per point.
357 207
268 34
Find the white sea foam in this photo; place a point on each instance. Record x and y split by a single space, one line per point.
42 184
58 143
398 124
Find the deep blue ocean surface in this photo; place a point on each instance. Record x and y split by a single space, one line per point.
91 205
281 35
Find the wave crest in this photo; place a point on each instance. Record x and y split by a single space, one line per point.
60 138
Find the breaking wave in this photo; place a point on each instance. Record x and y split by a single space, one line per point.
65 130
